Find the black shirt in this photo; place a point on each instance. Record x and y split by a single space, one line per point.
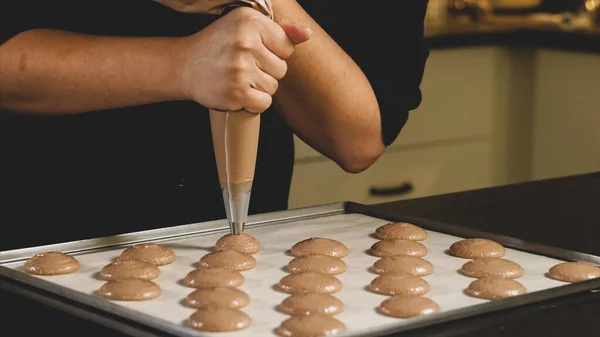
106 172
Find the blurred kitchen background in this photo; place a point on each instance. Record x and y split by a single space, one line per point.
511 93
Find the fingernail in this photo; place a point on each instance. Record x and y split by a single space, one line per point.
303 27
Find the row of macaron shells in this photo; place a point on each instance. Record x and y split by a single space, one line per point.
311 285
496 276
216 298
400 270
128 278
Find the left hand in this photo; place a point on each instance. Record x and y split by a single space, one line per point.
296 33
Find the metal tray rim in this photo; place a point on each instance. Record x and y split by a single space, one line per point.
170 233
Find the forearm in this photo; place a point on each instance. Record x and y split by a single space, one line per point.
56 72
327 99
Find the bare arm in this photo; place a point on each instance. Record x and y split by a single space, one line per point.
57 72
327 99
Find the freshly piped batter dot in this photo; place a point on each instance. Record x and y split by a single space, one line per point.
243 243
396 247
574 272
311 303
400 230
317 263
485 266
403 265
214 277
218 297
405 306
495 288
51 263
130 289
230 259
154 253
399 285
319 246
310 282
477 248
311 326
218 320
121 269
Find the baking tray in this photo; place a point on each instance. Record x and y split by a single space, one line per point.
351 223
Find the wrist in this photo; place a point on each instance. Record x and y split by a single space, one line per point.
284 9
177 69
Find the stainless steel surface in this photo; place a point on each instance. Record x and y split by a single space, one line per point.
169 233
236 208
109 309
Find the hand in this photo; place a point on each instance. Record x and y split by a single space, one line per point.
235 63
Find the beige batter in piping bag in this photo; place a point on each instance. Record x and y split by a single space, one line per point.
235 140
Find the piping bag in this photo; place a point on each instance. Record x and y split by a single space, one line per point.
235 140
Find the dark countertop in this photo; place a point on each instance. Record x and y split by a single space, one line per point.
560 212
514 32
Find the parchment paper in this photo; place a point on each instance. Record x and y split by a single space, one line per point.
354 230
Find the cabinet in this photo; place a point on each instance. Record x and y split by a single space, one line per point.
431 170
566 119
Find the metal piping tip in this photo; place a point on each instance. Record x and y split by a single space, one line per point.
236 227
237 201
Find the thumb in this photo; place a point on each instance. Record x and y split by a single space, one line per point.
295 32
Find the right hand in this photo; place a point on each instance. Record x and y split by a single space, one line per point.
236 62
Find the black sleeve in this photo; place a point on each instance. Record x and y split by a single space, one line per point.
40 14
385 38
68 15
18 18
106 17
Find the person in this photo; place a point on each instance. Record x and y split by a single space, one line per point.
104 119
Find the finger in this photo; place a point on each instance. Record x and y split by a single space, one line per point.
257 101
295 32
270 63
265 83
276 40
